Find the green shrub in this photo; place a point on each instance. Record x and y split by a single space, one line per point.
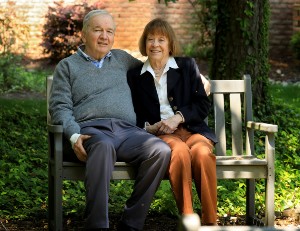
22 80
202 45
23 163
295 44
61 34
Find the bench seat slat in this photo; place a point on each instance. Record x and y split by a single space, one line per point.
226 169
224 160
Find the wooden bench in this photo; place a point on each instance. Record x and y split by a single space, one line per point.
241 163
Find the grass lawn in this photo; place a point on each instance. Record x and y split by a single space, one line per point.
28 105
288 94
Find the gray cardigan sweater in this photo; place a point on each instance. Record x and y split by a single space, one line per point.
82 92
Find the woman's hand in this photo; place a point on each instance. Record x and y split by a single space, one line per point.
79 149
206 84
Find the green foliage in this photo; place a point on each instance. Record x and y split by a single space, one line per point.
245 22
201 52
119 192
295 44
73 198
21 79
287 165
202 46
288 94
61 34
287 183
231 197
23 163
163 201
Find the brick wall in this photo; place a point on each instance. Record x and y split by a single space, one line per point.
281 26
131 17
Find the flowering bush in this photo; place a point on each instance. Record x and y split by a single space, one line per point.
61 33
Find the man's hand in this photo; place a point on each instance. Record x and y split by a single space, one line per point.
153 128
79 149
169 125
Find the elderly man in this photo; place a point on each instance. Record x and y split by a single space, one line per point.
91 99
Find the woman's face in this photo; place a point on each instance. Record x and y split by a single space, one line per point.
157 47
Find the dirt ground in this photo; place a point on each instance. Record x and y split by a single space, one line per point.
153 223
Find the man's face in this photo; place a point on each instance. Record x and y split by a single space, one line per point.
99 36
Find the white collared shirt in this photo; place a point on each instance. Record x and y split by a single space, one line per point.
161 87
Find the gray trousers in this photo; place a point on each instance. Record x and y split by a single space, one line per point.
116 140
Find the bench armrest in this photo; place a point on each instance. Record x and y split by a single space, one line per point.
270 130
55 146
262 126
55 128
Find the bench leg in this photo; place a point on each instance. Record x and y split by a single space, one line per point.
250 201
270 181
270 210
55 215
50 199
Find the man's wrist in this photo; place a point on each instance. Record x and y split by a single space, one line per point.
145 125
74 139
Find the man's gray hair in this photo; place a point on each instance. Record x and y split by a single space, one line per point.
93 13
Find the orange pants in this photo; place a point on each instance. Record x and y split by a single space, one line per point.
192 157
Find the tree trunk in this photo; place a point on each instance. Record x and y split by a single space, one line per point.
241 44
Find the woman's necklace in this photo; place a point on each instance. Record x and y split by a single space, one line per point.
158 71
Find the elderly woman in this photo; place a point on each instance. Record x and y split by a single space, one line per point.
170 101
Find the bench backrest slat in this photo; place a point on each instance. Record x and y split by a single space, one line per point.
236 124
235 97
218 100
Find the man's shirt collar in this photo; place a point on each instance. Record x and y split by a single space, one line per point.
97 63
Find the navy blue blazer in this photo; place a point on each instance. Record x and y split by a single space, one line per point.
186 94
